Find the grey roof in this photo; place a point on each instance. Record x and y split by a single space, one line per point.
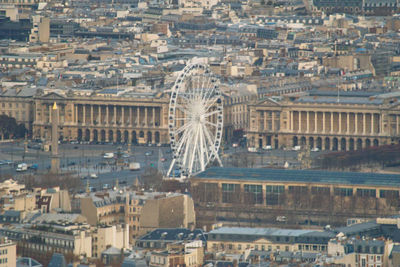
284 235
259 231
112 251
28 262
174 234
358 228
308 176
57 260
342 100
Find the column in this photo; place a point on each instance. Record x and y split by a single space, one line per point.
291 121
364 123
331 122
273 121
348 123
115 115
299 121
138 116
130 117
91 114
323 122
315 121
123 115
84 114
372 123
340 122
265 121
50 113
99 118
154 117
145 116
107 115
75 109
356 122
308 121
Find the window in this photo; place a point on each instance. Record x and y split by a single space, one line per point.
253 194
230 193
274 194
366 192
388 194
345 192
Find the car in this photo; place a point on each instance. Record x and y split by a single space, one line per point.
315 149
76 147
71 163
126 155
296 148
235 145
148 153
267 147
163 159
123 182
106 186
74 142
281 219
108 155
93 176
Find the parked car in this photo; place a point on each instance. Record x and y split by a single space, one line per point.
93 176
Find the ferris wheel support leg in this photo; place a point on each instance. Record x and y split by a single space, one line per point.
170 167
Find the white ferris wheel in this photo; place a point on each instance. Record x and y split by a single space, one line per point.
195 121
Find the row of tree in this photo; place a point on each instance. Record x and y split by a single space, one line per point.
9 128
375 156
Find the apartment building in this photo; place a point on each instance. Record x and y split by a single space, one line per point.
142 211
8 252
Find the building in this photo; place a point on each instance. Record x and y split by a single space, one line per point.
8 252
18 104
160 239
188 254
129 118
40 240
325 120
262 196
359 252
53 199
116 236
142 211
236 240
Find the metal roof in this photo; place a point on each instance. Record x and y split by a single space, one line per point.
301 176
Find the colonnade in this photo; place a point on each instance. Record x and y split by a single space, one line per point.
108 115
337 122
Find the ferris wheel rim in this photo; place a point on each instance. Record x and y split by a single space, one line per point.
209 98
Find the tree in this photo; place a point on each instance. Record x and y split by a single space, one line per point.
152 178
10 129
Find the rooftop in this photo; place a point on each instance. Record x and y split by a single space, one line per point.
301 176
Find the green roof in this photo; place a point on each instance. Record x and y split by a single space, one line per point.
301 176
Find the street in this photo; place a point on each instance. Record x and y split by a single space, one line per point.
85 160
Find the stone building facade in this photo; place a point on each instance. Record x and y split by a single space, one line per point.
135 118
325 121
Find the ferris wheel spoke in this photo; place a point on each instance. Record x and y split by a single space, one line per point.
208 114
183 128
212 124
210 103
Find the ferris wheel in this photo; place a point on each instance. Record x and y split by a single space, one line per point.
195 121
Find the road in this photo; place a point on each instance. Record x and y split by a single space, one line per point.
85 159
